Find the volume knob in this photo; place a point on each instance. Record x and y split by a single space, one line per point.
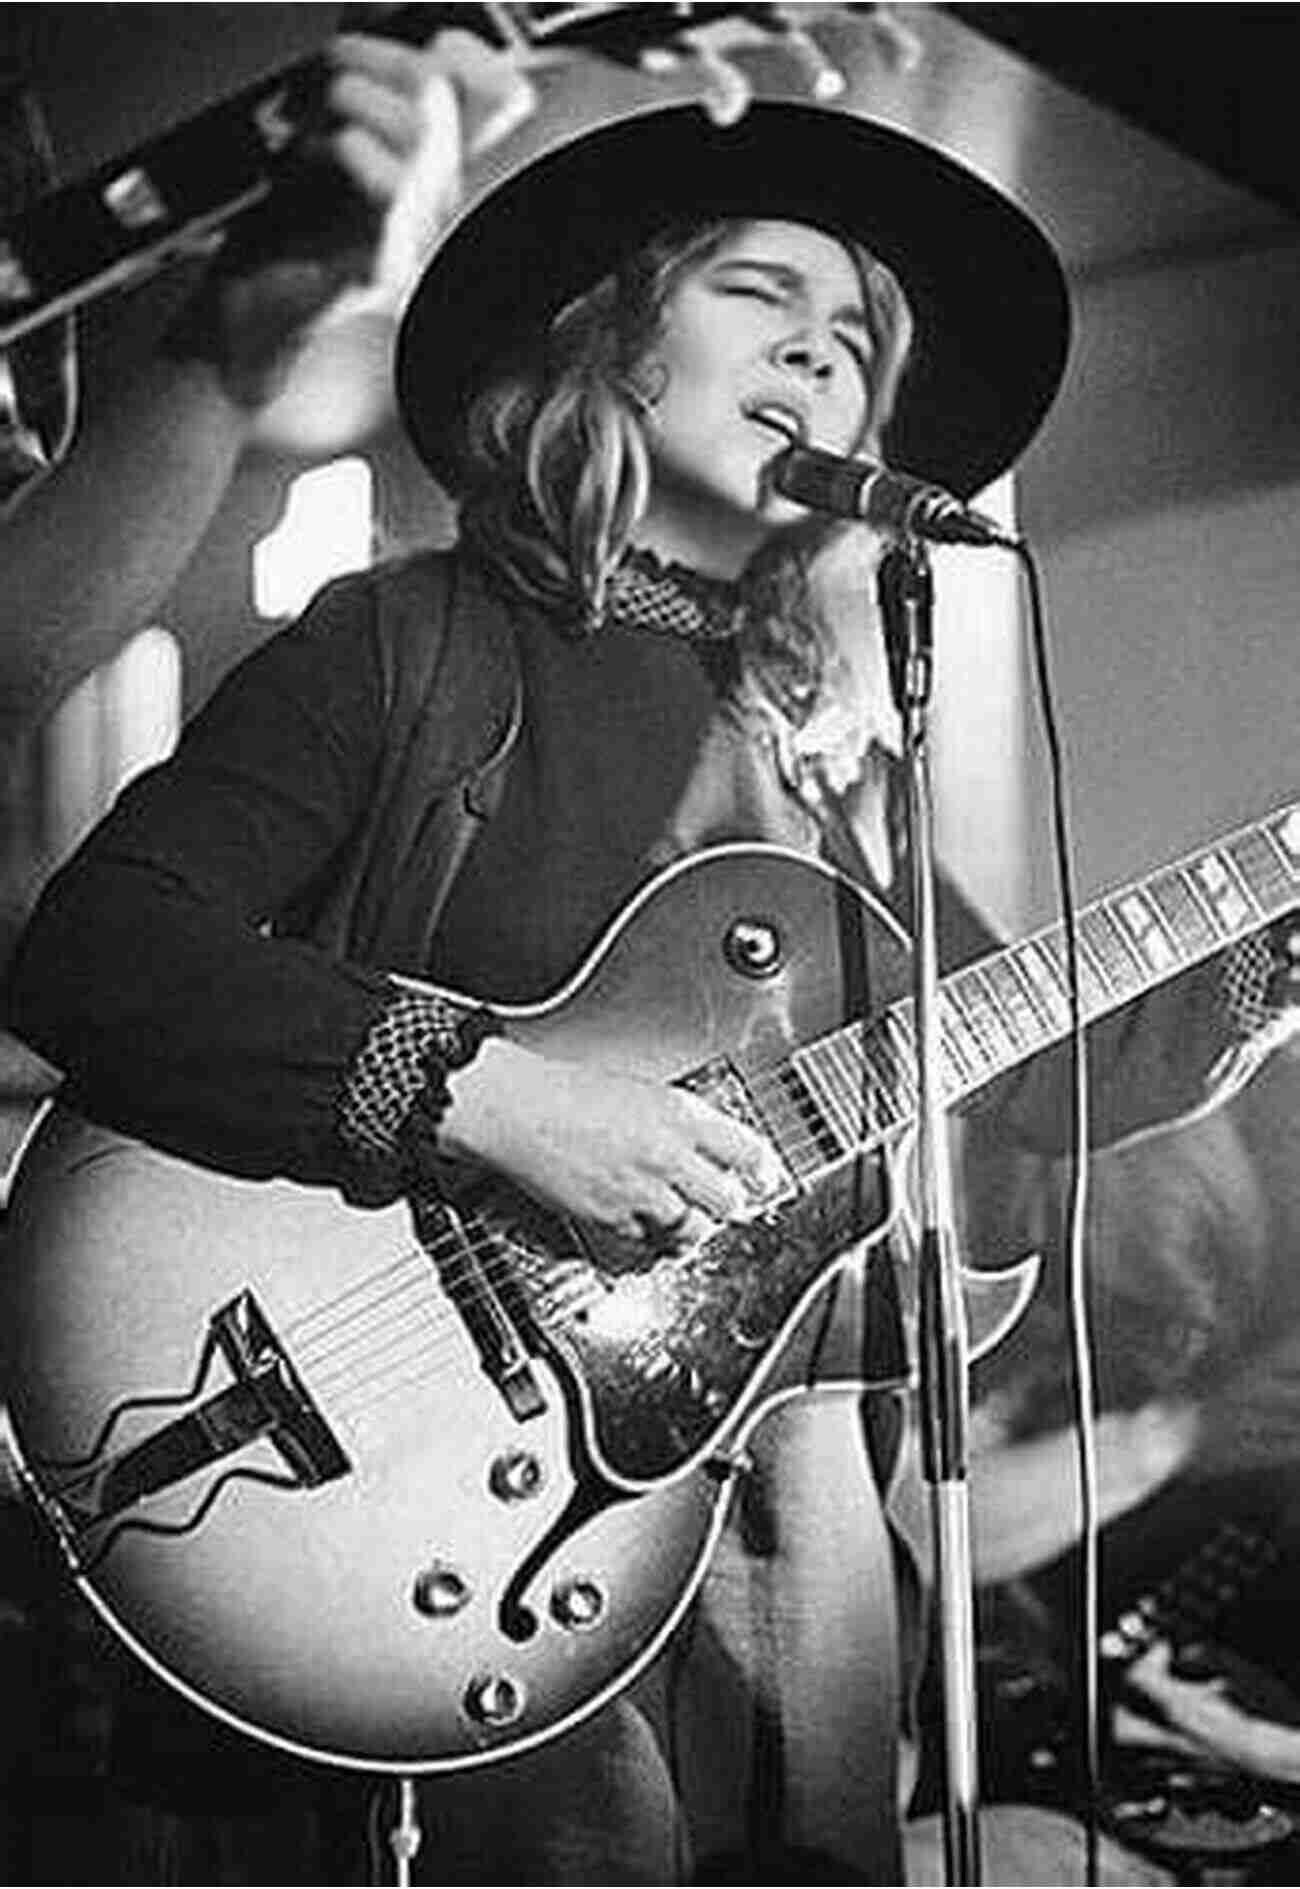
515 1476
495 1700
440 1591
579 1604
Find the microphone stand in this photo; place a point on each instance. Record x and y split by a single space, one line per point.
906 592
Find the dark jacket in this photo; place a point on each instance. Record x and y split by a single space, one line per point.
208 964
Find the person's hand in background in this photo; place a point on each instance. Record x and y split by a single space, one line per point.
401 121
1209 1704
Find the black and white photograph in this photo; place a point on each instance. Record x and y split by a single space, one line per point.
649 944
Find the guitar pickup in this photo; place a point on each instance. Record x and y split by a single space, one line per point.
500 1350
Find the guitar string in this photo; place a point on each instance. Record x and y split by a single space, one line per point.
344 1363
414 1347
436 1331
461 1253
332 1354
383 1310
396 1366
420 1344
477 1258
429 1326
380 1362
400 1361
435 1324
360 1359
495 1259
408 1269
769 1084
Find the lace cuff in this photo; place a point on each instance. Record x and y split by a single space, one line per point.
1251 990
395 1093
1258 1001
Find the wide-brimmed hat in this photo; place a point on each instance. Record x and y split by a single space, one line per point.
984 285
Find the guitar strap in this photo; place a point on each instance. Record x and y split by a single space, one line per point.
455 710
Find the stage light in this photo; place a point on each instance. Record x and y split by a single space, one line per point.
325 530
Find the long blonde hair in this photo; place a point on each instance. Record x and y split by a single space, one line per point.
557 472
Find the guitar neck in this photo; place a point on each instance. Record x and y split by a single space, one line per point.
131 217
858 1086
136 214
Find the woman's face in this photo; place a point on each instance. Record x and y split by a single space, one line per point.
766 337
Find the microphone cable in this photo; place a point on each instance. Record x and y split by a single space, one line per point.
1079 1328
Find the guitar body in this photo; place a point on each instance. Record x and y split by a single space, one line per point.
420 1490
292 1611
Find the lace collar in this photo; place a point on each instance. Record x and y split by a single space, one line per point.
647 592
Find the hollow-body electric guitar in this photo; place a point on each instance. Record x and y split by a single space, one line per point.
420 1487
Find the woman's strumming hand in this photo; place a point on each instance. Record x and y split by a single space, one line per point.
640 1159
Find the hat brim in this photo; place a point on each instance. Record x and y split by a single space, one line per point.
985 287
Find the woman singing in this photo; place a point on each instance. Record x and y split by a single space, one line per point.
458 770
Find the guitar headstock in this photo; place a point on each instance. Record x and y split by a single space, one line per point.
654 37
67 245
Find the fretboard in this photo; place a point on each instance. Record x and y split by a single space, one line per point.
858 1085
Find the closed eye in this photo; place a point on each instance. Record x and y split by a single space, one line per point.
778 287
759 291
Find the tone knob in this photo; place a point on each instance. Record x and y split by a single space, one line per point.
579 1604
494 1700
515 1476
440 1591
754 947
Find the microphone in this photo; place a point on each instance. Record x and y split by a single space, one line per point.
891 501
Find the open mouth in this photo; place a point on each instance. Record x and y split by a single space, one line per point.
788 422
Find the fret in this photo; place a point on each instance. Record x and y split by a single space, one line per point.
1107 941
1264 869
771 1099
984 1025
863 1112
835 1068
1219 881
1190 920
954 1080
802 1137
839 1064
1048 981
892 1049
1285 829
1140 919
860 1083
1094 992
887 1108
806 1137
1011 1046
963 1070
967 1045
1018 999
816 1079
887 1087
